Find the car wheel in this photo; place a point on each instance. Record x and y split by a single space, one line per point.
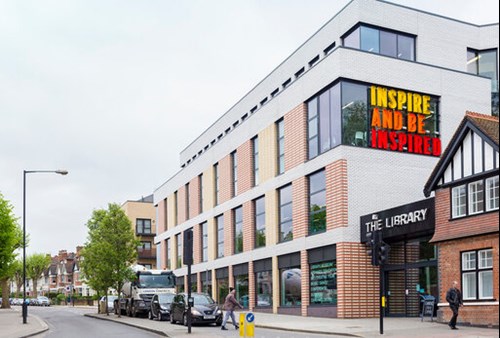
184 320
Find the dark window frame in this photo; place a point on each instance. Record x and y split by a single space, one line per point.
477 270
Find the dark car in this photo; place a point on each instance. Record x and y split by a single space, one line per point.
160 306
204 310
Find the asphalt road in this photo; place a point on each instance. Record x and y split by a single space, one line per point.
69 322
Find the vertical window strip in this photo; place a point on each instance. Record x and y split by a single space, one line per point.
285 214
200 180
187 201
260 222
216 177
255 142
179 250
220 236
234 161
281 146
238 229
204 242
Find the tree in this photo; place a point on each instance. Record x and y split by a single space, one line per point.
110 250
36 264
18 276
11 238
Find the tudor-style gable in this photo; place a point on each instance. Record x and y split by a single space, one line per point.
472 152
465 181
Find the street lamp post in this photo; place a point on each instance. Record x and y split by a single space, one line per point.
60 172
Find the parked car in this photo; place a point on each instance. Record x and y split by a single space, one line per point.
160 306
111 300
204 311
43 301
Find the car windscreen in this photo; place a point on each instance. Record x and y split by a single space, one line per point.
156 281
202 300
166 298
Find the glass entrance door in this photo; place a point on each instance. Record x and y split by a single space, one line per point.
405 288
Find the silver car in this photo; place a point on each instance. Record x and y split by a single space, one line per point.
42 301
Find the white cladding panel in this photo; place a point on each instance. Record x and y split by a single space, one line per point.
478 154
448 173
467 146
488 158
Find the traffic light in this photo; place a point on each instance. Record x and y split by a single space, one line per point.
188 247
372 246
383 252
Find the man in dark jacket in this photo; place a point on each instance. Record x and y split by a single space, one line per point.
229 305
454 298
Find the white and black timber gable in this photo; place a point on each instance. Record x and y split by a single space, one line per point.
471 153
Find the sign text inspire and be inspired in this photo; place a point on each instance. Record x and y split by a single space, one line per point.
392 130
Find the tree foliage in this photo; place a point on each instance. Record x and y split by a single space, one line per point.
36 264
110 250
11 238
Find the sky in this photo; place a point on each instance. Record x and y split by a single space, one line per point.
114 90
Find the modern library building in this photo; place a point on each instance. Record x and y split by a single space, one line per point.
340 138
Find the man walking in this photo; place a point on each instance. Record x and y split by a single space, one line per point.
229 305
454 298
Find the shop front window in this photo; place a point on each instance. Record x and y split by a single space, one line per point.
264 290
222 289
241 286
323 283
290 290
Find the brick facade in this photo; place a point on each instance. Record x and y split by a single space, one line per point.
245 167
336 195
357 282
295 136
300 212
449 265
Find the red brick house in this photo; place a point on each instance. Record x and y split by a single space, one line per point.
466 187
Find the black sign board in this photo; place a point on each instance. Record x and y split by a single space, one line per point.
409 219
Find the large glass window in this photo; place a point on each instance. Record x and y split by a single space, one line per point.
219 220
143 226
204 242
317 202
381 41
324 121
238 230
285 214
290 290
354 114
280 126
255 157
477 274
484 63
370 39
323 281
260 222
222 289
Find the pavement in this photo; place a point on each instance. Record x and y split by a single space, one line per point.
11 326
